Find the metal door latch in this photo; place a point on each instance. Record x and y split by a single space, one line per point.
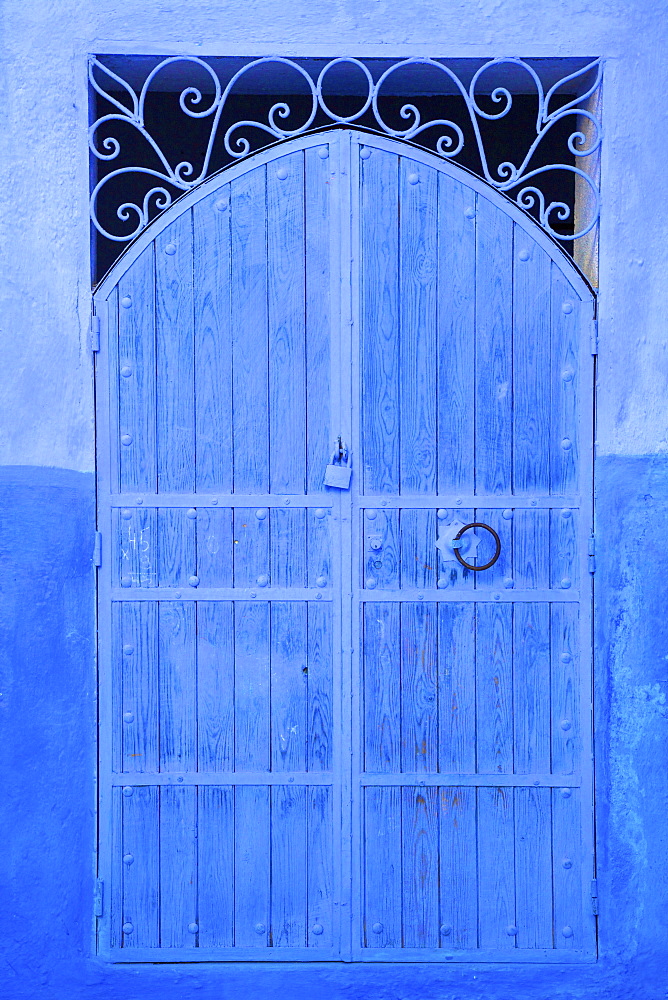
339 470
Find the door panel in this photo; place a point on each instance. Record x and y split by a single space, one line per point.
323 737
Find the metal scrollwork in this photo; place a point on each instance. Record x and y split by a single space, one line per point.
520 180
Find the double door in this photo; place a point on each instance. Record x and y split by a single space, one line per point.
326 732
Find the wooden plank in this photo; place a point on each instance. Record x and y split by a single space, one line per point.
531 688
382 687
248 298
566 744
382 868
141 873
178 701
252 859
139 666
288 866
320 693
178 866
456 335
382 553
213 342
175 354
114 901
251 547
215 866
564 561
419 704
116 690
531 549
533 867
494 688
215 685
494 393
379 419
500 575
496 869
532 381
456 688
251 686
420 849
566 333
287 347
451 575
317 208
177 547
418 263
136 549
458 868
288 547
289 678
319 547
215 552
320 866
136 387
418 548
567 870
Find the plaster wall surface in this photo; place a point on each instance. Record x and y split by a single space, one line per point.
47 668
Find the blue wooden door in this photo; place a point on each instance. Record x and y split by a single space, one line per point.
321 737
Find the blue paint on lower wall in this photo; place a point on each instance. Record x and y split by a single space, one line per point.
47 680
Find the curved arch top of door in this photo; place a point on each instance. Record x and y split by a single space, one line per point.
336 722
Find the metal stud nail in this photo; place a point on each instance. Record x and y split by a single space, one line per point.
565 582
511 930
222 205
127 791
321 581
370 583
566 657
524 255
508 582
413 178
180 780
253 594
191 513
567 931
567 307
566 793
128 928
365 152
126 439
126 301
534 503
372 514
126 514
126 581
214 501
470 213
281 173
317 929
128 717
565 725
566 444
126 371
537 782
139 500
128 649
323 152
261 513
128 859
193 928
193 581
458 502
260 928
508 514
567 863
420 597
377 928
442 582
263 580
446 930
566 512
287 502
441 513
567 375
318 597
320 512
170 249
497 597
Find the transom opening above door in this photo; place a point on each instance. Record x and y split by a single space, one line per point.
163 124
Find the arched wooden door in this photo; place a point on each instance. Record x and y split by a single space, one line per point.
322 738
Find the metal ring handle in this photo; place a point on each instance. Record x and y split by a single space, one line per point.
455 548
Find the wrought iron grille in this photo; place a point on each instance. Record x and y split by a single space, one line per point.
527 134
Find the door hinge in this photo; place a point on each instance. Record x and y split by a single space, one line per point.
594 337
97 549
95 333
98 898
591 551
594 895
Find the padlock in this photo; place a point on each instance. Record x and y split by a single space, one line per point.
338 472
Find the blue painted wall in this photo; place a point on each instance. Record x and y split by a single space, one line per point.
47 486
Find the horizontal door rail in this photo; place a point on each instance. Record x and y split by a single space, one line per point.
469 596
187 593
137 780
481 780
453 500
219 500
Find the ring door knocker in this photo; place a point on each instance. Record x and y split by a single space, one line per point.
457 544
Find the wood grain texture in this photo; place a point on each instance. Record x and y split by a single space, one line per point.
566 740
496 868
380 323
215 685
141 881
456 688
382 550
250 388
456 335
177 682
320 692
531 549
418 272
494 390
319 548
320 866
494 688
178 866
215 547
288 547
287 347
564 556
215 865
177 546
175 356
288 866
419 703
289 679
533 867
251 686
450 573
382 687
136 548
568 871
136 393
499 576
458 876
138 654
382 868
252 861
251 546
213 342
531 688
418 548
420 848
319 315
531 366
566 321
